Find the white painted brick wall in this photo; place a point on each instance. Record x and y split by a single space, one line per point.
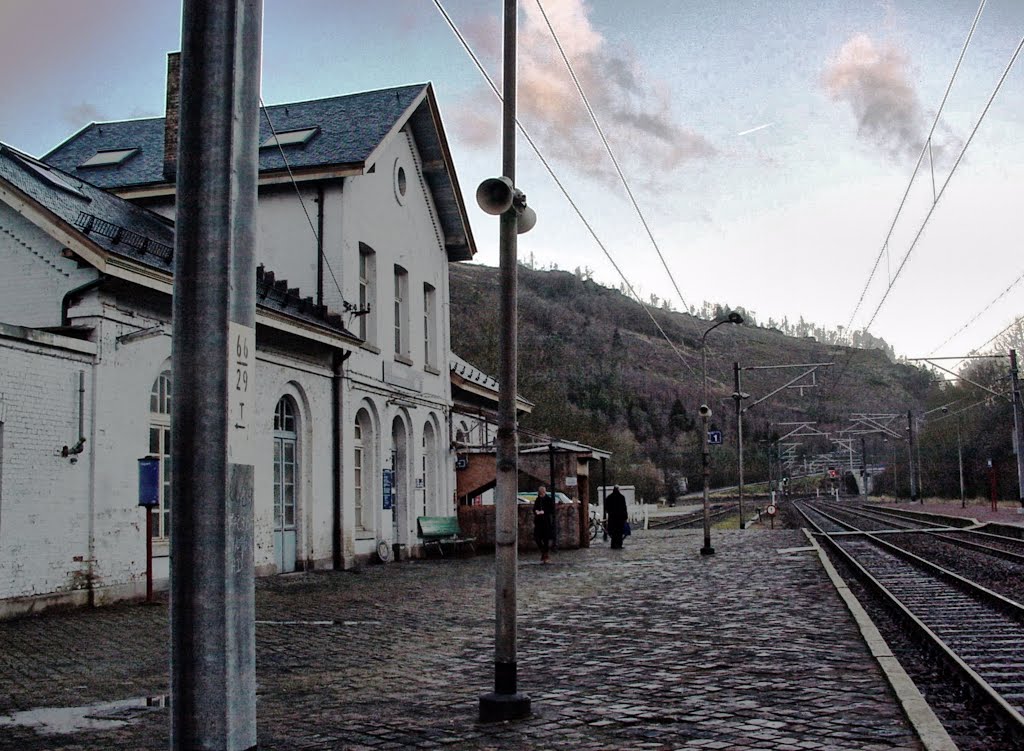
33 275
44 514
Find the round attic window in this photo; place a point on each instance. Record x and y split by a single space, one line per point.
401 183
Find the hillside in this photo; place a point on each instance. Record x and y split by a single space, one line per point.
600 372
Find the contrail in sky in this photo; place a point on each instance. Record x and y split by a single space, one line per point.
754 130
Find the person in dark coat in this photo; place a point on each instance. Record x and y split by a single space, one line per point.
544 522
615 516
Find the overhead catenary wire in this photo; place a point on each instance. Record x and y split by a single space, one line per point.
302 202
925 149
611 154
949 177
980 313
1009 326
547 166
937 196
884 251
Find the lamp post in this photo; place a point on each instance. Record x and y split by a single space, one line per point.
739 396
705 413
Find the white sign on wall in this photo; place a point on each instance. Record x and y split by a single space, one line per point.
241 394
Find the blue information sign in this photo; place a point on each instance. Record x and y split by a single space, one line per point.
715 437
389 488
149 481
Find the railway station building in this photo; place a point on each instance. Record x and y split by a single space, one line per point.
359 214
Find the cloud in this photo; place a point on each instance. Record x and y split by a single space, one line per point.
875 81
637 117
84 112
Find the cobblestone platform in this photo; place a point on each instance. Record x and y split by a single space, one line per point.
652 647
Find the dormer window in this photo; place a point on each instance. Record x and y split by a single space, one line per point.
290 138
109 158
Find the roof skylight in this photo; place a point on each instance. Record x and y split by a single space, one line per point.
290 138
51 176
108 157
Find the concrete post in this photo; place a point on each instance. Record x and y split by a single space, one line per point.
213 655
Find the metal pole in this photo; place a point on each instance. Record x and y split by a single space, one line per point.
505 703
864 464
1018 426
213 451
149 554
739 432
910 456
707 549
960 461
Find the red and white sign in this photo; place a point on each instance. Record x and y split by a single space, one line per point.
771 509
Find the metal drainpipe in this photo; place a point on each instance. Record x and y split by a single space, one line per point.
90 568
320 245
338 361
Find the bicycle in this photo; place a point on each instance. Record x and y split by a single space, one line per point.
597 525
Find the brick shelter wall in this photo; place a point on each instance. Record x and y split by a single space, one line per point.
478 522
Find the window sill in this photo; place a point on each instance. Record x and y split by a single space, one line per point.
161 547
432 370
365 534
403 359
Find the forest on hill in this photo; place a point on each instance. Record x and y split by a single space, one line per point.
605 371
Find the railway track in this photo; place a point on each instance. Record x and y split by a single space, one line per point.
996 545
694 519
978 633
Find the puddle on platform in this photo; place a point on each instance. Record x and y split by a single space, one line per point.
103 716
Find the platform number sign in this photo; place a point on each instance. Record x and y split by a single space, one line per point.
388 484
241 387
715 437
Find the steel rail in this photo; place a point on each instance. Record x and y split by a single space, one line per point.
1008 712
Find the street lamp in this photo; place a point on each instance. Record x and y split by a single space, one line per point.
739 396
705 413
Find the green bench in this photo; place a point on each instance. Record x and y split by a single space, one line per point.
442 530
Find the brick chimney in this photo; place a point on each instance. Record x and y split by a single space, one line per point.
171 110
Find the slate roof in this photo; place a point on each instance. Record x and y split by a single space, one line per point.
350 128
472 374
124 229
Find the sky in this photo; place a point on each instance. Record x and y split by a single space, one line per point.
768 146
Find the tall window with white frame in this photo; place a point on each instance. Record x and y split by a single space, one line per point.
429 326
401 313
160 447
367 294
357 472
423 472
286 472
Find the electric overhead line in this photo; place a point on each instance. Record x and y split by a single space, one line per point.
1012 323
926 148
942 190
978 315
302 202
939 194
560 185
611 155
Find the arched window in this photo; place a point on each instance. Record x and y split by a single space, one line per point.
160 446
357 470
364 472
286 473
